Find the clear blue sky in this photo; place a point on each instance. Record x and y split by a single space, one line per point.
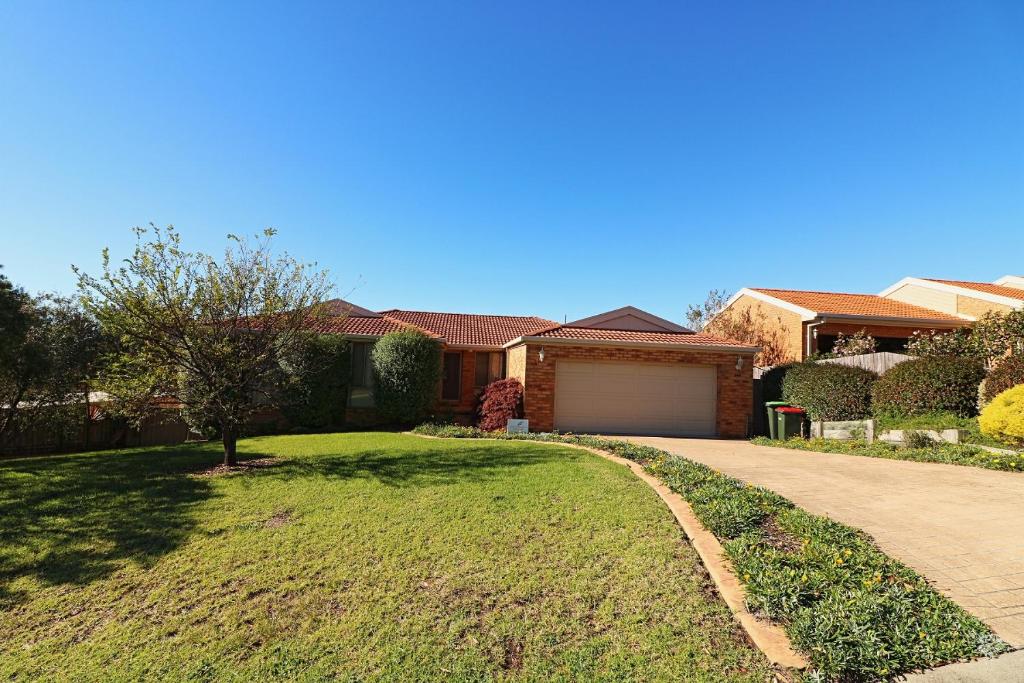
523 157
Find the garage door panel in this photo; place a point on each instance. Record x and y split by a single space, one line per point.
635 398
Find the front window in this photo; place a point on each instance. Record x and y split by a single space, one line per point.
360 393
488 368
451 384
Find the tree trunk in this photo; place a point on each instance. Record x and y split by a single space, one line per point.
230 437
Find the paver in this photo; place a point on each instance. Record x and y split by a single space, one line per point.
957 526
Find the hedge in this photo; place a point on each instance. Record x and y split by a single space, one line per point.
317 388
771 381
1003 418
1007 373
407 369
922 385
829 391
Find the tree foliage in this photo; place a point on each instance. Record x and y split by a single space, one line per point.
210 333
854 344
932 384
407 369
752 326
48 345
994 335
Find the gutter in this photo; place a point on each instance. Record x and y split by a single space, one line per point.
894 321
557 341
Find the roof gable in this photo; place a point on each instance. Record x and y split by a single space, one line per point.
629 318
998 292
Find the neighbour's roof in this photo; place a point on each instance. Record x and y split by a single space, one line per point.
987 287
468 329
635 336
862 305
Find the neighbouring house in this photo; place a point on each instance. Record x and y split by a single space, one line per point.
810 321
971 299
621 372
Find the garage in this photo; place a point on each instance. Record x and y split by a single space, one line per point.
635 398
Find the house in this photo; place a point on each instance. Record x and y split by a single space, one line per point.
621 372
810 321
972 299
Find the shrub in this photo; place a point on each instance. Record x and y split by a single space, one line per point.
317 388
829 391
771 381
937 383
407 369
500 402
1003 418
1008 372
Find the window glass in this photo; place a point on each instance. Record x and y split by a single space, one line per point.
451 386
360 393
483 369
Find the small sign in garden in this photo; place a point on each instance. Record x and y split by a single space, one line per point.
518 426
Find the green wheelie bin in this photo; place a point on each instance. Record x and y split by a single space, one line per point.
770 406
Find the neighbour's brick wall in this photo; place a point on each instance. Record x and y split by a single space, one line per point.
735 387
774 317
976 307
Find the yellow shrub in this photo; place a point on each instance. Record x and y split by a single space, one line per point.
1003 418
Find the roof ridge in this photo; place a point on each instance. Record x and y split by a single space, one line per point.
814 291
478 315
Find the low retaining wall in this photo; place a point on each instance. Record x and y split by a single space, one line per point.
868 430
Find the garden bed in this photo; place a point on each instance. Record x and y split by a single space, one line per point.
950 454
856 613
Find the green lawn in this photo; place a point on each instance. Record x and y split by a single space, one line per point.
356 557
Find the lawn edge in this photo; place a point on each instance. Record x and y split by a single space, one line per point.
767 636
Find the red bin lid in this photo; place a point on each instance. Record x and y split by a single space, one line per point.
790 410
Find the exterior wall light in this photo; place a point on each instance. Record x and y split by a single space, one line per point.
541 354
739 363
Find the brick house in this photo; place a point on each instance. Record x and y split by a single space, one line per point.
624 372
810 321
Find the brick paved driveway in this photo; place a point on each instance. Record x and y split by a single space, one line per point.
961 527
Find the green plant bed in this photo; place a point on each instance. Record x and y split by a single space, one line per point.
949 454
857 614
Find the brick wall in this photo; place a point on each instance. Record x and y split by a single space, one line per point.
735 387
786 322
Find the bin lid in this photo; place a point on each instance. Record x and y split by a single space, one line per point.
773 404
790 410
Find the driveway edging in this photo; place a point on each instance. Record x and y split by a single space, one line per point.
767 636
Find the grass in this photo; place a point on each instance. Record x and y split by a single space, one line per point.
356 557
856 613
950 454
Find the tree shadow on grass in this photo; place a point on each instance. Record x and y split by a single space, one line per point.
410 468
72 519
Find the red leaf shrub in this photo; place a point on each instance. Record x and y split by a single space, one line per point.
501 401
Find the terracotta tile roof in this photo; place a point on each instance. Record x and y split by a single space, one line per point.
602 334
353 325
865 305
986 287
466 329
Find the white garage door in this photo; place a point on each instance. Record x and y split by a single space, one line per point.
635 398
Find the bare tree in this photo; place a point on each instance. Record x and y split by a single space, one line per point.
750 325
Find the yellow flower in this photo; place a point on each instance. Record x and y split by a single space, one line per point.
839 560
921 634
